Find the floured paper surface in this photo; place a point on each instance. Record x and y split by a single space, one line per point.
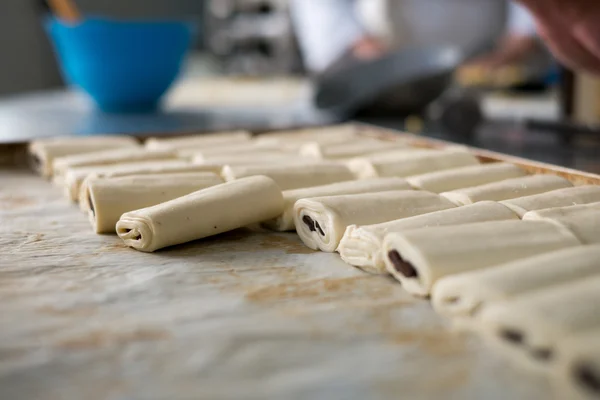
241 316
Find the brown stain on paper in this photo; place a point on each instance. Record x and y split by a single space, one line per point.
291 246
15 202
99 338
319 289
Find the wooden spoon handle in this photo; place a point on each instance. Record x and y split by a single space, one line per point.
65 10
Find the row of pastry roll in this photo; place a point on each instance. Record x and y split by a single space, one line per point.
117 167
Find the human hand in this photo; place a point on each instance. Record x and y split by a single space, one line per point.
368 48
571 29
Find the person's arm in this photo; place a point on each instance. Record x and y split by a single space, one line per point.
571 28
326 29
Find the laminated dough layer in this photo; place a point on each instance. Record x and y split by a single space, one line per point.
42 153
204 213
198 140
293 176
464 295
322 221
411 163
463 177
557 198
361 245
583 220
285 221
508 189
421 257
109 198
107 157
75 177
577 370
353 148
530 326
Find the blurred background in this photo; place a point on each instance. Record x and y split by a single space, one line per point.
469 71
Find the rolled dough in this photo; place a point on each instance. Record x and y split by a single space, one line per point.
75 177
530 326
348 149
583 220
411 163
204 213
322 221
361 245
293 176
198 140
109 198
285 221
421 257
42 153
107 157
463 295
463 177
507 189
557 198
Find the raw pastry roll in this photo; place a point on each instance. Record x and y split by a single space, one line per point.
109 198
324 135
285 221
204 213
464 295
577 371
198 140
508 189
75 177
530 326
322 221
463 177
361 245
421 257
412 163
348 149
293 176
583 220
244 148
266 157
557 198
42 153
107 157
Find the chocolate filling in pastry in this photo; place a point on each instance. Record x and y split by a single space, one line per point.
587 377
402 266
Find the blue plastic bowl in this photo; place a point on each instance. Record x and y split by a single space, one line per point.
125 66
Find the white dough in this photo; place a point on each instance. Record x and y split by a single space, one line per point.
285 222
507 189
348 149
463 295
228 149
421 257
361 245
108 157
322 221
463 177
583 220
74 177
557 198
198 140
109 198
324 135
530 326
411 163
265 157
577 370
204 213
293 176
43 152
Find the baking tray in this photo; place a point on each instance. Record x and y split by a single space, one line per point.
244 315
